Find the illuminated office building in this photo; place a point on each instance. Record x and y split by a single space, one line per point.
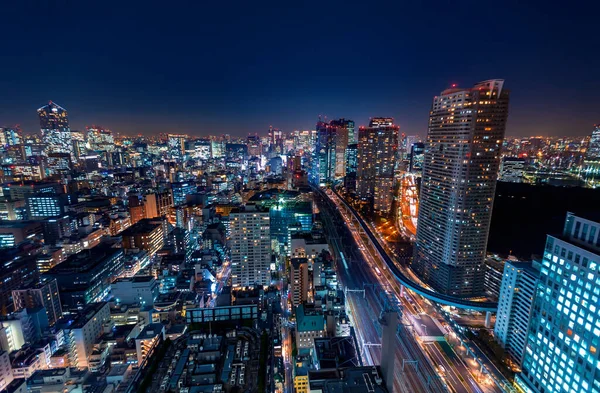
562 353
54 124
376 156
10 136
177 146
460 168
181 190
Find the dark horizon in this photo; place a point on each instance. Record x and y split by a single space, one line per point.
211 70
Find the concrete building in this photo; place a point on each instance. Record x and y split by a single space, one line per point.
81 331
6 376
518 288
250 246
86 277
460 169
136 289
562 353
299 281
145 235
42 294
310 324
148 339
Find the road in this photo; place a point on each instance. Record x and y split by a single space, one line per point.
355 272
408 206
454 372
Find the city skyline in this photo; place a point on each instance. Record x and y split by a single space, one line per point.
261 66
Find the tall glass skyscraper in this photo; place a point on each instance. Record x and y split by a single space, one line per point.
562 353
460 168
591 164
54 124
323 165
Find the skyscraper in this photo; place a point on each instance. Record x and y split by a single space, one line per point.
460 167
344 130
591 163
54 124
564 333
250 246
376 156
324 156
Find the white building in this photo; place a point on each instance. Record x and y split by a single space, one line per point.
82 331
514 307
149 338
6 375
250 246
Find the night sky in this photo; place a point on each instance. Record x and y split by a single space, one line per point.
237 67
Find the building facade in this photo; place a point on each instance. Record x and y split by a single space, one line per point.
564 333
56 133
43 294
460 169
517 291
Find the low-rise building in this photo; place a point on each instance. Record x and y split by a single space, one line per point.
310 324
137 289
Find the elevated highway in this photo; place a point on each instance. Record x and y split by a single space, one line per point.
405 280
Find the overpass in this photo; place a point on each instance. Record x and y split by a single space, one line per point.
406 281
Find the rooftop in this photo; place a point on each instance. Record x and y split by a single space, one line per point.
143 226
309 319
85 260
82 317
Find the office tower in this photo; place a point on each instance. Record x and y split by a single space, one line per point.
460 168
324 155
564 333
146 234
591 162
22 190
344 133
181 190
45 205
54 124
42 294
10 136
250 246
376 156
519 282
351 167
177 146
417 153
299 281
85 277
15 270
136 209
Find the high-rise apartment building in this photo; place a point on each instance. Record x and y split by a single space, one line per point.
376 156
42 294
54 124
519 282
460 168
562 353
250 246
